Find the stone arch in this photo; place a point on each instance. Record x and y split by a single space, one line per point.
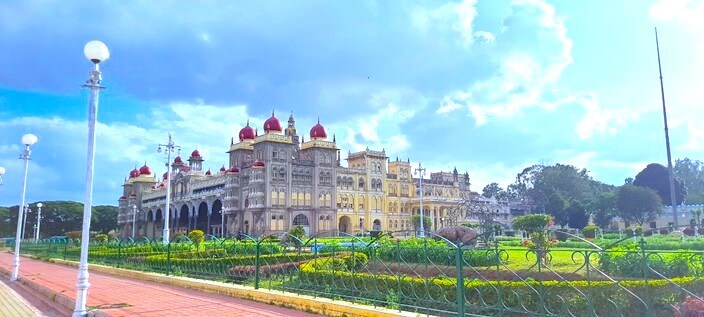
344 224
182 220
376 225
150 225
301 220
201 217
215 219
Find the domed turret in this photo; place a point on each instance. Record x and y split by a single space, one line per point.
258 164
178 159
223 169
247 133
195 153
233 170
272 124
318 132
208 173
134 173
145 170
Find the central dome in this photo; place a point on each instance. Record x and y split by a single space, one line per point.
134 173
145 170
272 124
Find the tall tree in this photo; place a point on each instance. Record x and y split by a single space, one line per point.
656 177
557 207
578 216
638 204
692 173
494 190
604 208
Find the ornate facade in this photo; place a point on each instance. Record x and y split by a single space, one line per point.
276 181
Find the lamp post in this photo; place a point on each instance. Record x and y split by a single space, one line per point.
421 172
134 219
28 140
96 52
169 147
222 222
39 220
24 220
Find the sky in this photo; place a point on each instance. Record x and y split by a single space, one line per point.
488 87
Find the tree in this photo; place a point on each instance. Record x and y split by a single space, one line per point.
692 173
557 207
578 216
494 190
656 177
638 204
104 218
604 208
416 222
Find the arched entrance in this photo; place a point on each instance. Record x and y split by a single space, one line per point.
158 223
182 220
344 224
302 220
376 225
150 225
215 219
202 218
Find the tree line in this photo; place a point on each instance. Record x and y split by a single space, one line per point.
58 218
572 196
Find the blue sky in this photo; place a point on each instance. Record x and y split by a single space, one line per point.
487 86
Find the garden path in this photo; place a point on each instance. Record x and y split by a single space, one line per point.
120 296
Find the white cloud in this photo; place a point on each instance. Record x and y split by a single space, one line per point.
687 12
458 17
530 54
598 120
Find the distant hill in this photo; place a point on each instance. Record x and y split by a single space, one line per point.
58 217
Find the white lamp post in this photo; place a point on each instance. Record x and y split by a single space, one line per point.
28 140
421 172
134 219
24 220
39 220
96 52
169 147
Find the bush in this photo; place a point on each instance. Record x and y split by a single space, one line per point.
638 230
509 233
664 231
355 260
196 236
74 234
700 231
101 238
561 235
691 307
688 231
590 231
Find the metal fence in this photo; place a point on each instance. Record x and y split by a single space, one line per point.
627 277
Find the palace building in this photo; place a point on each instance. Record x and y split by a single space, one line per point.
277 180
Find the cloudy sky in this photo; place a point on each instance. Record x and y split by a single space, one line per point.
487 86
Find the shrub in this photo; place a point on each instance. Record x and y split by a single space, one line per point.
700 231
509 233
589 231
73 234
638 231
196 236
688 231
561 235
355 260
297 232
101 238
691 307
664 231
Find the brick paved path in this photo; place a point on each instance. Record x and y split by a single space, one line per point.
118 296
11 304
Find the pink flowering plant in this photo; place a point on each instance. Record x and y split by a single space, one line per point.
536 225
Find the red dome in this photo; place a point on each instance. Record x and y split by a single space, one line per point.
223 169
272 124
166 174
318 132
258 164
195 153
208 173
145 170
178 160
233 170
247 133
134 173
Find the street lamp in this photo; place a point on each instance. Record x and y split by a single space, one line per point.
169 147
24 220
39 220
28 140
420 171
134 219
96 52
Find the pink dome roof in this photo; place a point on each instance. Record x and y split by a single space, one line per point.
258 164
123 197
223 169
272 124
208 173
318 132
145 170
233 170
195 153
134 173
247 133
178 159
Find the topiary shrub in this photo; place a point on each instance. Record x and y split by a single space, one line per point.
638 231
664 231
590 231
101 238
297 232
561 235
688 231
196 236
355 260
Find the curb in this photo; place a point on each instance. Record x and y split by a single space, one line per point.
307 303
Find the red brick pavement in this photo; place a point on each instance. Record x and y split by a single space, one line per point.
143 298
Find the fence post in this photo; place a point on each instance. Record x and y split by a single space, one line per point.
65 248
256 264
168 258
460 281
645 267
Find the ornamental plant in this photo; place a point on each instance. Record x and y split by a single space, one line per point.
589 231
536 225
196 236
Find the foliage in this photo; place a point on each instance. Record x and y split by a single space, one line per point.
73 234
196 236
656 177
101 238
59 217
688 231
638 204
532 222
557 207
589 231
103 218
628 261
604 208
692 173
578 216
416 222
298 232
494 190
355 261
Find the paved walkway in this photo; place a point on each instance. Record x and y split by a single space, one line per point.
12 304
119 296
